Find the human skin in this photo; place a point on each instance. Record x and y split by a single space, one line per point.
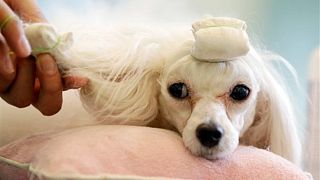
25 81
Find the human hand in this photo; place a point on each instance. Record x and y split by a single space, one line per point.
24 81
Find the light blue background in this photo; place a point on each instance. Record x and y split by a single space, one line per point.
287 27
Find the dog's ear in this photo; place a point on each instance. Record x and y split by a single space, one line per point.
274 126
123 76
123 84
124 99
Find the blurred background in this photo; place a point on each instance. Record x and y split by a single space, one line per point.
287 27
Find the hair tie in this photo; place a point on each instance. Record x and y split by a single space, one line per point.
41 50
219 39
6 21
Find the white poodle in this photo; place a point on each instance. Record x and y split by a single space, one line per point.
208 84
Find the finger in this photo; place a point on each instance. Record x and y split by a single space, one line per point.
20 93
72 82
7 66
13 31
28 10
50 95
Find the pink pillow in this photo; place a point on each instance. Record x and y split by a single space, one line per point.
131 152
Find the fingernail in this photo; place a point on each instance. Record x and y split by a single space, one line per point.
76 82
73 85
69 83
24 46
8 65
47 66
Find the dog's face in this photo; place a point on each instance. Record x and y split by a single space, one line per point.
210 104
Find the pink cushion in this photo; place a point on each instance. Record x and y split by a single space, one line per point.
132 152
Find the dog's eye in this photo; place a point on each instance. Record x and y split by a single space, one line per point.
240 92
178 90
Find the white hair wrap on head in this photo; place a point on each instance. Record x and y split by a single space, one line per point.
219 39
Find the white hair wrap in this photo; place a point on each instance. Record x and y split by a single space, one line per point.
219 39
44 38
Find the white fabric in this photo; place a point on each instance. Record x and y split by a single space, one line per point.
44 38
219 39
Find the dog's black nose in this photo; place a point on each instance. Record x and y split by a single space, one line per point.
209 135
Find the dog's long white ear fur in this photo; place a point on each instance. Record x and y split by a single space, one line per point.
123 74
133 102
128 96
274 123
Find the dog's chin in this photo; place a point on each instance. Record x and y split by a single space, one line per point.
213 153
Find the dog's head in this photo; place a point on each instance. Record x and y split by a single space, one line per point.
210 104
210 95
223 91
